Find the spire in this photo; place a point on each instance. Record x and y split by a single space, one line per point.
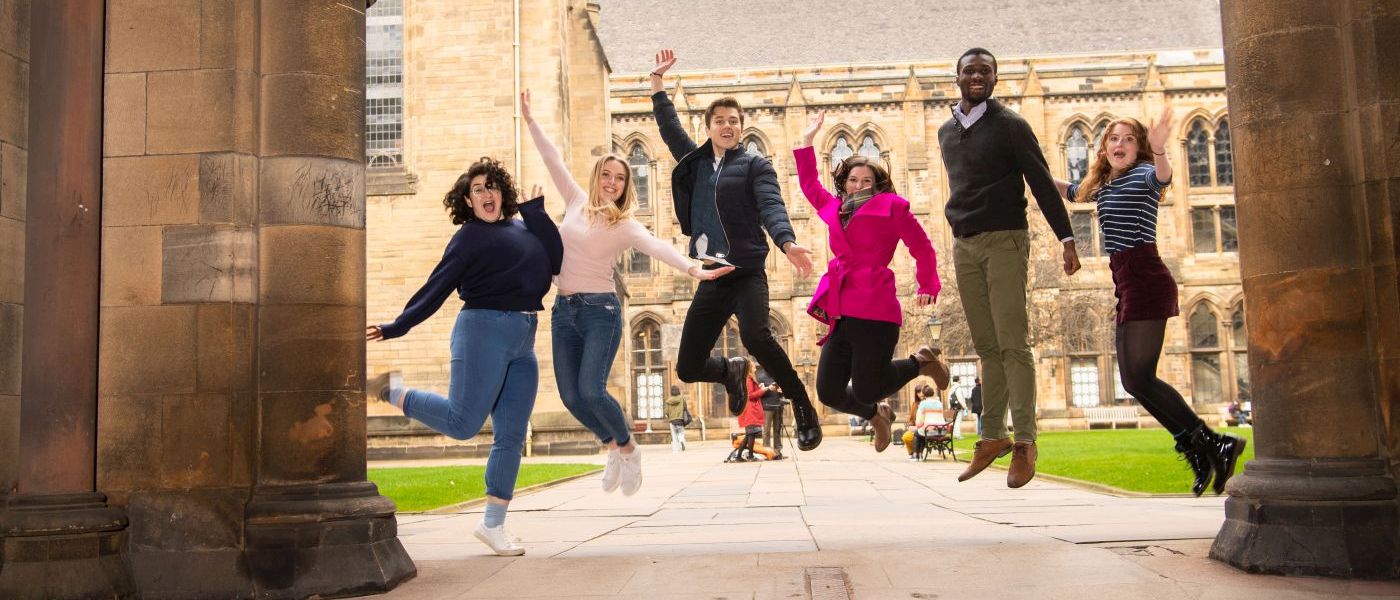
795 96
1154 77
913 92
1032 87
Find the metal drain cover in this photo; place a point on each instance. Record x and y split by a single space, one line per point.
828 583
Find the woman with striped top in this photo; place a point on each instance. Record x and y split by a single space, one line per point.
1129 171
586 323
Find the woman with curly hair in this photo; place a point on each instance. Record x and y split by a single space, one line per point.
586 323
501 268
1125 182
856 297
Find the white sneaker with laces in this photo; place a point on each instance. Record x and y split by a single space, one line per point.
612 470
502 543
631 467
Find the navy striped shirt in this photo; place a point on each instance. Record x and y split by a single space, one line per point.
1127 207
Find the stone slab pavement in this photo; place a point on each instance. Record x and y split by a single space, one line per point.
838 522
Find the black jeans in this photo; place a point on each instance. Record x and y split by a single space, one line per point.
743 293
858 353
773 428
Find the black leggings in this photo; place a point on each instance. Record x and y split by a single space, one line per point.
858 354
1139 345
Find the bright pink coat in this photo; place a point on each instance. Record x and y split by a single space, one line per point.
858 280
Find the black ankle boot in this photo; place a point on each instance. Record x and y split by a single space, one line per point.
1198 460
1224 451
808 425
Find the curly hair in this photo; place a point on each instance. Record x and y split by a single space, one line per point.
1100 170
496 178
883 184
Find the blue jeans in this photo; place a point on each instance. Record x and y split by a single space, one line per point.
586 330
494 373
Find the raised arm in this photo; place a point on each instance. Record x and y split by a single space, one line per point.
1158 136
806 159
537 221
643 240
677 140
553 159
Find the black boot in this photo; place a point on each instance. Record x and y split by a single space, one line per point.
808 425
1224 451
1198 459
736 384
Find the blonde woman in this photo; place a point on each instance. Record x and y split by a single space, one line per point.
586 323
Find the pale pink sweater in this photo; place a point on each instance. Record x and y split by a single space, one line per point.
591 249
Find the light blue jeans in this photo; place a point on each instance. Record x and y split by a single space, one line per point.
494 373
586 330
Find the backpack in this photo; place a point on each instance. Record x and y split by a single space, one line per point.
685 416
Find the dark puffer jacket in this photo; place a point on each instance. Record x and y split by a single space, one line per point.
747 193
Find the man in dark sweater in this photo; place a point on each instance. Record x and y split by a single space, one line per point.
991 154
724 199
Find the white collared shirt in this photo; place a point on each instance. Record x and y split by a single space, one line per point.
966 120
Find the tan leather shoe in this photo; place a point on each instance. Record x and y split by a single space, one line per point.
984 453
930 366
1022 465
881 422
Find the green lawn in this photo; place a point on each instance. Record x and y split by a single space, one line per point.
1138 460
417 489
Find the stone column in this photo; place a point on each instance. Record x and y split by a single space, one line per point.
314 525
61 539
1314 92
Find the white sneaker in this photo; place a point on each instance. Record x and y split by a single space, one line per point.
502 543
612 470
631 467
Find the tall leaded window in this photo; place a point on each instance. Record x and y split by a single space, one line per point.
1198 154
1076 154
1239 349
648 371
1213 229
640 164
1084 382
1224 157
840 151
1083 345
868 148
1205 356
384 85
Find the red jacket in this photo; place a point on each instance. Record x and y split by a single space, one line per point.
753 412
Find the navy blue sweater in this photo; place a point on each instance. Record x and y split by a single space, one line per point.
506 265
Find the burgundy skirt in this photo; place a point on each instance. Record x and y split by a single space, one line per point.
1143 285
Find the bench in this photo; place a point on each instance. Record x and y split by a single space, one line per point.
1111 415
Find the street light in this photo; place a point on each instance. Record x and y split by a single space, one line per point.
935 329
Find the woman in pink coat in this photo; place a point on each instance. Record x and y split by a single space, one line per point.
856 296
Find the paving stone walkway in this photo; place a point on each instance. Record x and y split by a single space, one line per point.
883 526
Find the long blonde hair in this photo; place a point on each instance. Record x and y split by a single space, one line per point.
1100 170
610 213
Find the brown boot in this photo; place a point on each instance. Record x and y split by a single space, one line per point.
986 451
930 366
1022 465
881 422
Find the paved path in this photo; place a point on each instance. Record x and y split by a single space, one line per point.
839 522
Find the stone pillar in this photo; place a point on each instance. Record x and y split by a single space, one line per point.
1314 93
14 136
61 539
314 525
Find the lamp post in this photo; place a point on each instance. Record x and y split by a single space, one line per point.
935 329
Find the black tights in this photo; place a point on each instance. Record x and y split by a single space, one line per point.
1139 345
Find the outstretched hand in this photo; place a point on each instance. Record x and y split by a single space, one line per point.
525 106
665 59
922 300
535 192
1160 131
801 259
810 133
709 274
373 333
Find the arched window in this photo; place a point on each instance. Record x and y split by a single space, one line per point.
648 371
753 145
640 164
1239 349
840 151
1198 154
1083 345
1224 158
1205 356
1076 154
727 346
868 148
